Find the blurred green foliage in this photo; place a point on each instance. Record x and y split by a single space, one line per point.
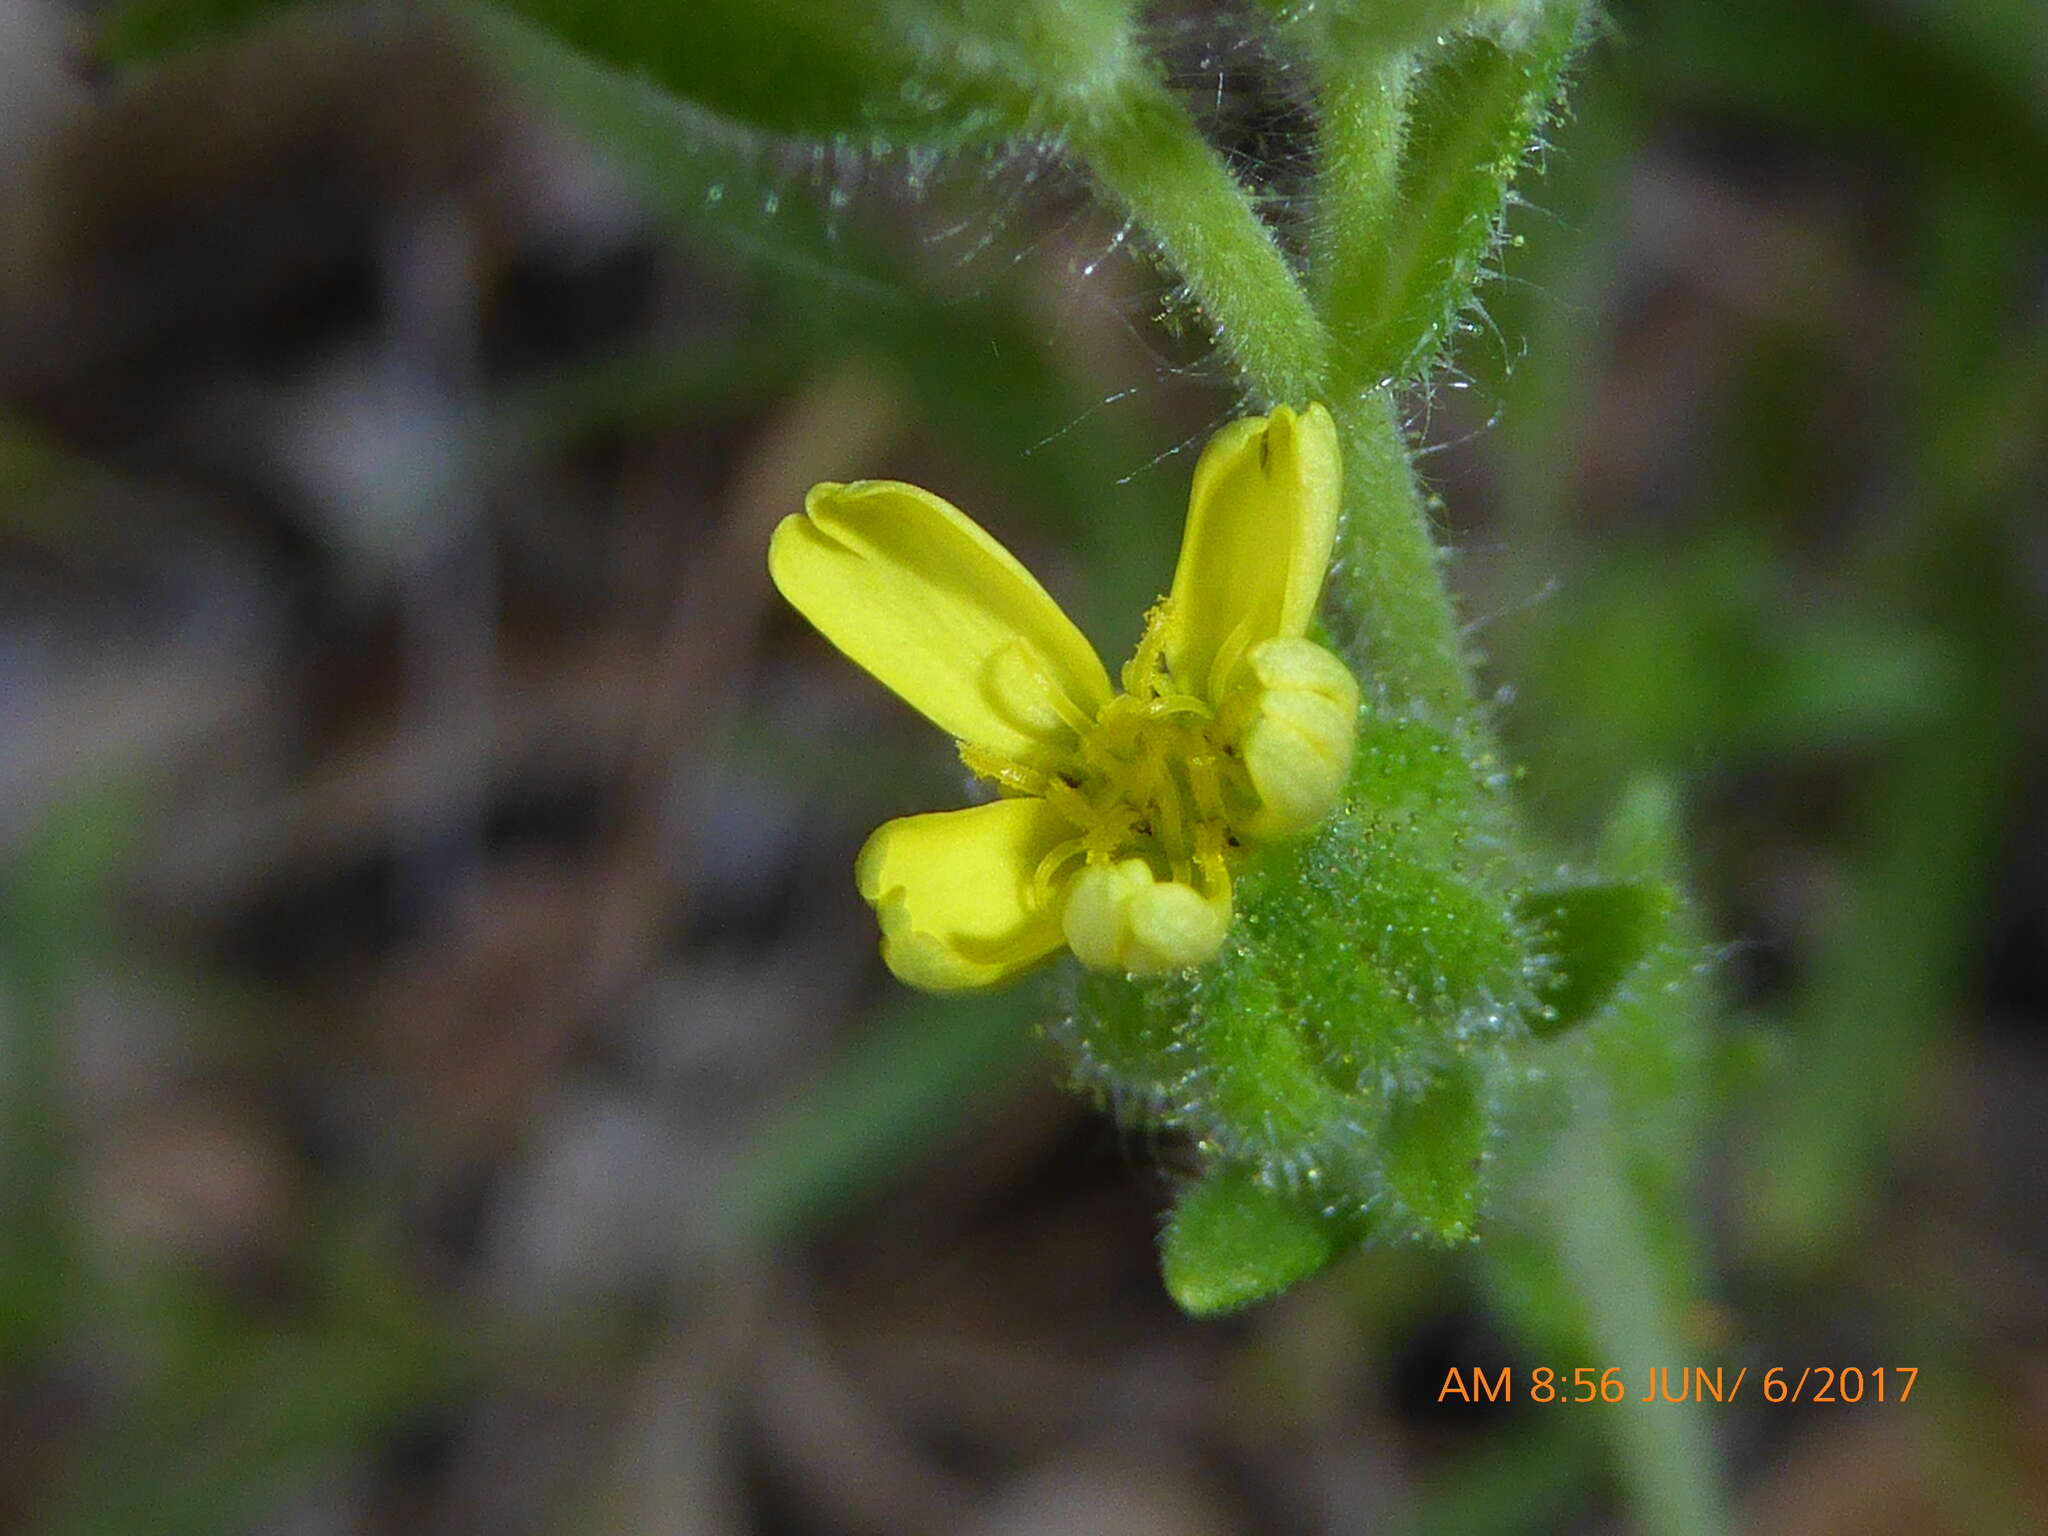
53 918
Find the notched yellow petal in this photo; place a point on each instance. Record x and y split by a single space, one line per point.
1120 917
914 591
1261 519
1299 738
955 892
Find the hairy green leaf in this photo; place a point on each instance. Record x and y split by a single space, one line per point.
862 69
872 73
1396 279
1436 1145
1592 936
1233 1240
693 168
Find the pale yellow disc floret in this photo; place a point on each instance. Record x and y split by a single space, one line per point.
1121 917
1165 790
1298 739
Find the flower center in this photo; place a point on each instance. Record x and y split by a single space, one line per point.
1156 775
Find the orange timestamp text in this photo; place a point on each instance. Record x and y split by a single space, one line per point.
1681 1384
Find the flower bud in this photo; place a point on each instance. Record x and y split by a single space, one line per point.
1298 741
1120 917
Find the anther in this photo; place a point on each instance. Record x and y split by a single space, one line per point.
1002 771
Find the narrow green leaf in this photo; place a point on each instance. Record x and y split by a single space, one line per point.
54 899
1606 1246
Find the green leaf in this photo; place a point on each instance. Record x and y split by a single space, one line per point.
869 73
1234 1240
1607 1239
1593 937
1436 1144
1396 281
694 169
862 69
874 73
55 898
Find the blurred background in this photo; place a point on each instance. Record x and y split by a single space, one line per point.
448 1082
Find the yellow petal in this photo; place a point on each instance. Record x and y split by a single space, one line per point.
1261 518
1119 917
915 592
954 893
1298 741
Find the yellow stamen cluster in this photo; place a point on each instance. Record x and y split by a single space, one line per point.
1155 775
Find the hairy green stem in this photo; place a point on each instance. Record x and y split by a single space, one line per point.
1388 605
1388 585
1392 609
1664 1450
1364 121
1149 155
1388 601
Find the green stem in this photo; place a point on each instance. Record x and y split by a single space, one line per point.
1664 1450
1147 152
1387 603
1403 628
1389 577
1364 98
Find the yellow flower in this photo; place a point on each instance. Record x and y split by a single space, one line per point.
1117 815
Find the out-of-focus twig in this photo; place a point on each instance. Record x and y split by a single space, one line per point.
837 421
